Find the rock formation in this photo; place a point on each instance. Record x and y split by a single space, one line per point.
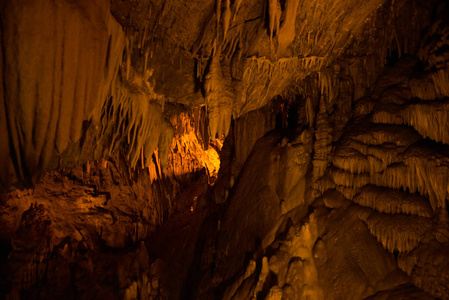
224 149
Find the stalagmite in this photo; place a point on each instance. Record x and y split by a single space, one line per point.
262 276
322 146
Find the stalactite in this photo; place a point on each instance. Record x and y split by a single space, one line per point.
274 12
134 121
226 19
287 31
129 49
262 78
237 4
218 19
421 170
344 178
310 112
391 201
421 116
164 144
219 100
398 232
145 64
370 150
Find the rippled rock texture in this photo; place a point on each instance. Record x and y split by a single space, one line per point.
224 149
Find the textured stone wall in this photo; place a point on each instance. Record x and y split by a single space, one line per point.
331 118
59 59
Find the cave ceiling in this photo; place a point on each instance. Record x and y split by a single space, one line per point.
227 149
231 56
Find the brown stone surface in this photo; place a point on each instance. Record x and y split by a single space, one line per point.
229 149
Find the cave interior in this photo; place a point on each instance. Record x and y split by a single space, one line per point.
224 149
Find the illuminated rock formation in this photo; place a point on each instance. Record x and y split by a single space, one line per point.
224 149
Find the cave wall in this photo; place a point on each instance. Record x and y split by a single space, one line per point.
360 182
95 218
230 65
58 62
326 121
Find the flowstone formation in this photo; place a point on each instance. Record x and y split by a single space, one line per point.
224 149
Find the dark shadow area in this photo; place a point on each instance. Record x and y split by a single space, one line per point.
392 57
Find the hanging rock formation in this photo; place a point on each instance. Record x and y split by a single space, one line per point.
218 149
